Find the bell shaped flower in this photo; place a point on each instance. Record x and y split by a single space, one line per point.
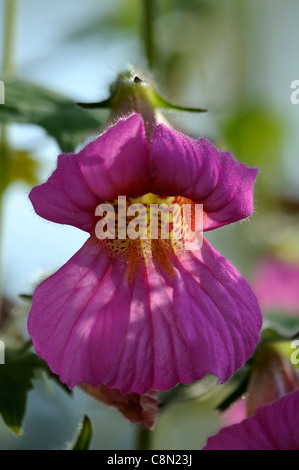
144 314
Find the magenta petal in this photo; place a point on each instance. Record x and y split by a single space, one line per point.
197 170
92 324
79 317
218 312
117 163
274 427
65 198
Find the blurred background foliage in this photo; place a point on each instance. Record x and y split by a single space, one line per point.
235 58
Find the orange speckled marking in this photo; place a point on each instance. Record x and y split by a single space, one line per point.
149 251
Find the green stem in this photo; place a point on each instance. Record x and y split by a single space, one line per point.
144 438
8 72
242 10
148 31
10 18
4 159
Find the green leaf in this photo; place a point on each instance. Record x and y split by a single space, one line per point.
255 135
26 297
58 115
278 326
85 435
149 94
15 382
161 102
56 379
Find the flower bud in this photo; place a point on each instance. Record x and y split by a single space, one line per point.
137 408
273 376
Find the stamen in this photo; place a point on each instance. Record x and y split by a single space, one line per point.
145 230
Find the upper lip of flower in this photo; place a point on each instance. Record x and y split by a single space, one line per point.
92 325
120 162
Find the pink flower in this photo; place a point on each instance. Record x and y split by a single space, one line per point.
137 317
236 413
274 427
276 284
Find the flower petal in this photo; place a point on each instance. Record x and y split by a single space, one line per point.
79 316
274 427
218 311
115 164
65 198
197 170
94 324
235 414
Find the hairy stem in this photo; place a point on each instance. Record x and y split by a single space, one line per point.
8 72
9 36
148 31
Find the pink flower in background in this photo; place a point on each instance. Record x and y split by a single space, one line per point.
136 315
276 284
236 413
274 427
